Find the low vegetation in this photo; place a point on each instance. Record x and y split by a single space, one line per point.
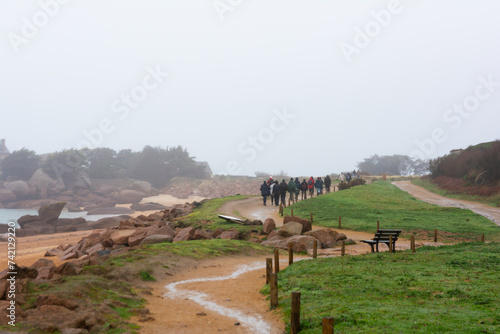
361 207
457 188
449 289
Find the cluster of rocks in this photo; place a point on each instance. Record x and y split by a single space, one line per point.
217 187
81 192
298 233
155 228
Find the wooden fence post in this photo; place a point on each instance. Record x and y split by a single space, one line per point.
311 217
315 249
290 253
328 325
412 243
276 261
273 284
342 248
295 313
435 235
378 225
340 222
482 237
269 268
292 212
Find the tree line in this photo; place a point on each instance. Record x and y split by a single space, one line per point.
156 165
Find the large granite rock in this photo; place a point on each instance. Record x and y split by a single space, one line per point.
290 229
304 222
269 226
129 196
20 188
299 242
49 213
40 183
7 195
325 236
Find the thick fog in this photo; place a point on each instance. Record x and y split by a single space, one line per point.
308 87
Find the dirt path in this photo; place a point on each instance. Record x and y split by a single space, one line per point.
422 194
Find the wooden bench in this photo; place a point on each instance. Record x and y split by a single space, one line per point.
383 236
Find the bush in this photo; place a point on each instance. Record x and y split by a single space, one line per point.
352 183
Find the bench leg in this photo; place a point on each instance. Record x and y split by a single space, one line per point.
373 250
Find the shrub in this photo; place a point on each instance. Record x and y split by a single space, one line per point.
352 183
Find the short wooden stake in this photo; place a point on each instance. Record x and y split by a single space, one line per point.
288 202
412 243
340 222
342 248
390 244
276 261
378 225
311 217
315 249
435 235
292 212
482 237
269 268
328 325
273 284
290 253
295 313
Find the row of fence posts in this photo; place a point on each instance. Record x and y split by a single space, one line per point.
272 279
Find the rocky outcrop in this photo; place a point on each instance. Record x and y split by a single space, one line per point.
299 243
129 196
306 224
20 188
7 195
110 211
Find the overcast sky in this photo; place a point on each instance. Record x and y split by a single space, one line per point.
309 87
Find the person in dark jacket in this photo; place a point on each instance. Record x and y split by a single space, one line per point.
319 186
297 189
291 189
283 191
265 191
328 183
303 189
276 193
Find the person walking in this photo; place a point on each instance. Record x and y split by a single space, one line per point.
265 191
303 189
319 185
276 193
270 181
291 189
348 177
310 186
271 192
328 183
283 191
297 189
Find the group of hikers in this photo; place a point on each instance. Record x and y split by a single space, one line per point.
278 191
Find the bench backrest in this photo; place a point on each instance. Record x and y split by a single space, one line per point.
386 234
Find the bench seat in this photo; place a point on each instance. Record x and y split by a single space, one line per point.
383 236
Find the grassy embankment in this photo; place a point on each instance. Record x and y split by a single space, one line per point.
425 183
448 289
206 217
361 207
437 290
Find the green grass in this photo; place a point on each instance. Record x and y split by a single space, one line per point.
427 184
202 249
448 289
205 216
361 207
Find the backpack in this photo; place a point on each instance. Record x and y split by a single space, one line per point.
303 186
310 182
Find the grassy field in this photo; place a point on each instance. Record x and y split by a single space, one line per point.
361 207
448 289
427 184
